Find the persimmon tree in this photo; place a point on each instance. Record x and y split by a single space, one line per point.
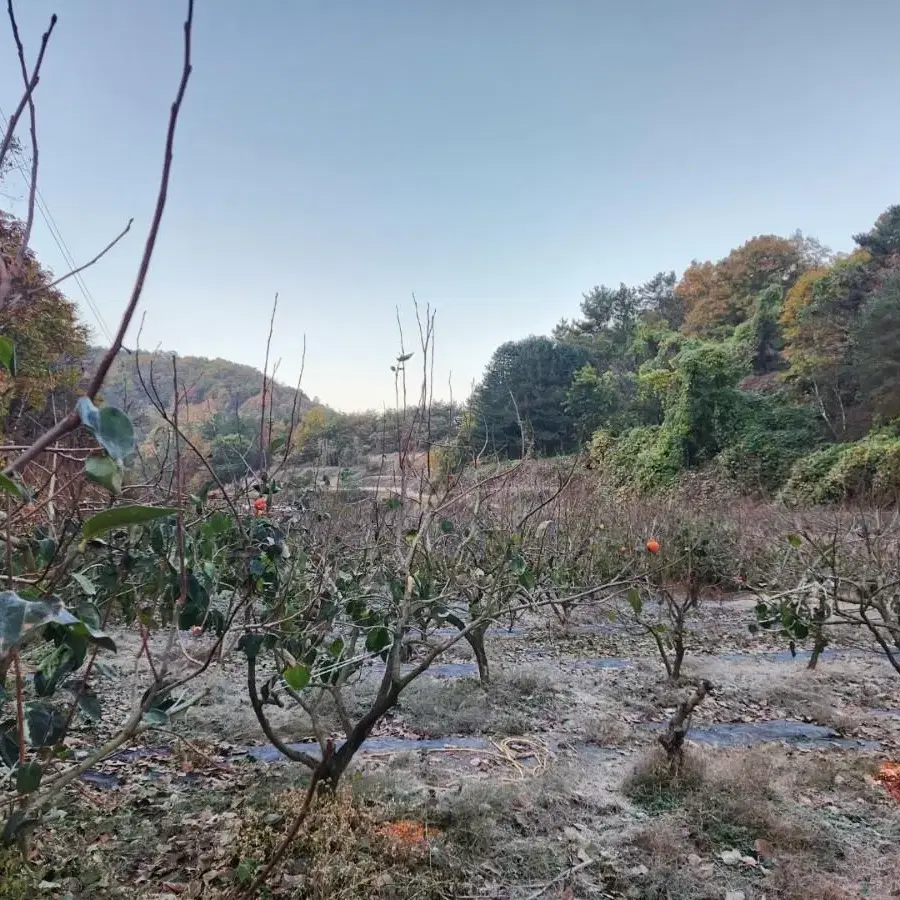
846 563
378 599
673 572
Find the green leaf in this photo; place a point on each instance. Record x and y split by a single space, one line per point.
47 550
28 777
156 717
251 644
53 670
336 647
245 871
795 540
85 583
90 616
19 619
120 517
634 601
378 639
9 747
105 471
8 355
297 677
196 603
446 526
8 486
44 724
112 429
100 638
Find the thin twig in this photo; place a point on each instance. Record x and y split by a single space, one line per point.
262 405
563 876
86 265
71 421
29 88
32 115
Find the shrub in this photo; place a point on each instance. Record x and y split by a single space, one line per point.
869 469
646 458
774 435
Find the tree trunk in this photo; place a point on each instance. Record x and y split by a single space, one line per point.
475 640
672 740
678 657
337 762
821 642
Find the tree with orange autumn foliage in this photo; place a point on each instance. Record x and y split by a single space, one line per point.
50 342
721 295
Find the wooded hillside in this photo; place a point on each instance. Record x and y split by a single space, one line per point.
780 363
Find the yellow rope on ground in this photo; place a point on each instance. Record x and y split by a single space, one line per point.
510 750
514 749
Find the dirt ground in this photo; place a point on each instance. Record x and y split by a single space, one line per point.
544 784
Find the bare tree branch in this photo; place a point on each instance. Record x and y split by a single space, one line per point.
71 421
29 88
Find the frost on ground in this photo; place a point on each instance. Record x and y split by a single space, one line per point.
546 783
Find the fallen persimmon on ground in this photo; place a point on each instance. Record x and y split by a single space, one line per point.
889 775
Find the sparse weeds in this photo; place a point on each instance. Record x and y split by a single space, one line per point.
508 705
19 879
654 786
729 800
746 802
510 824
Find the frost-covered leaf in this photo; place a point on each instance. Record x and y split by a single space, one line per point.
20 619
111 428
44 724
85 583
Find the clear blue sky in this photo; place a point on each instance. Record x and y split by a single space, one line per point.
498 158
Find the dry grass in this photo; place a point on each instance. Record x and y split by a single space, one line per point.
346 851
510 825
730 800
461 706
746 800
609 732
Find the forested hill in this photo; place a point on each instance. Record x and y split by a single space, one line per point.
779 362
223 408
212 387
